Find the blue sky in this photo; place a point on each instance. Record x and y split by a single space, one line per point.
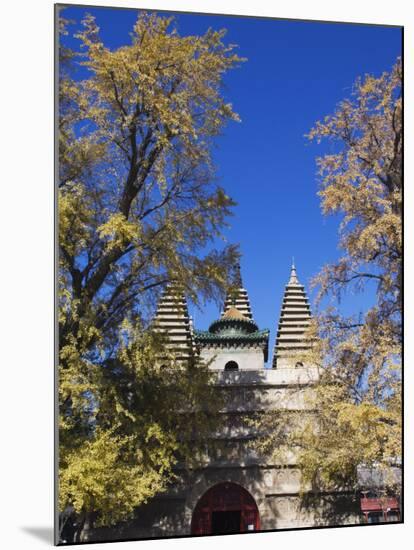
295 74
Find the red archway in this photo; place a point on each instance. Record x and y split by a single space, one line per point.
225 508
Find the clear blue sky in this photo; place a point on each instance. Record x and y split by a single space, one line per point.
296 73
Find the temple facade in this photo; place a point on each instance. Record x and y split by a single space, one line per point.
235 489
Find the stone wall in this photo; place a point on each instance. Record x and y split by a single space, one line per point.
274 487
250 358
275 491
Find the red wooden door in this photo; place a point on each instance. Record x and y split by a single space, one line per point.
225 497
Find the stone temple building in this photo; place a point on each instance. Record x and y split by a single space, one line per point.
236 490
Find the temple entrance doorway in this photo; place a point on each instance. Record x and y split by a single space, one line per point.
225 522
225 508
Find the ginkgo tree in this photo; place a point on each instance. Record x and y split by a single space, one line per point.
138 207
354 414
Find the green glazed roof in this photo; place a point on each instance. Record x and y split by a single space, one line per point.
245 326
258 335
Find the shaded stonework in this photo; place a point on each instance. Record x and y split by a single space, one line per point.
235 489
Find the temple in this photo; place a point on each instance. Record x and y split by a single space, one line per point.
236 490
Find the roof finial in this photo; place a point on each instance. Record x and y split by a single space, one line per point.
237 276
293 277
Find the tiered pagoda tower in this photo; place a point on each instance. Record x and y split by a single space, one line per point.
238 298
295 317
173 320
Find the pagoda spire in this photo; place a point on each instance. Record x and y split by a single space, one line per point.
173 320
293 277
237 276
237 297
295 317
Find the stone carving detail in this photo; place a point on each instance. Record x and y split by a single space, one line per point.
293 505
295 476
281 477
268 479
283 506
